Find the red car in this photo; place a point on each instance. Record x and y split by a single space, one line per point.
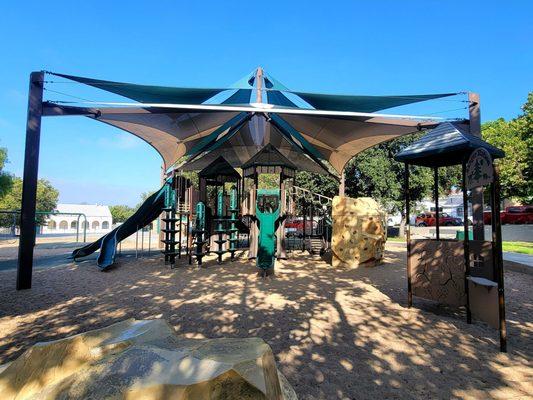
512 215
429 219
294 227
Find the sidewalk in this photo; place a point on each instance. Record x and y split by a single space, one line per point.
525 259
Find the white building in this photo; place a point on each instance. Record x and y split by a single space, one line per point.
451 205
96 218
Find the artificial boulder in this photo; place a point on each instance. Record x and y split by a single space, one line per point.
144 360
359 232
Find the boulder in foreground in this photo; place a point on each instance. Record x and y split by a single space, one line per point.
144 360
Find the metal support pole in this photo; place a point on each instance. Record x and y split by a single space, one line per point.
142 241
149 238
408 236
85 224
78 228
499 260
29 181
478 229
312 212
304 228
436 194
466 244
136 241
259 85
342 185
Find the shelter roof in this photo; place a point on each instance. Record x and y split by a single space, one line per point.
194 126
447 144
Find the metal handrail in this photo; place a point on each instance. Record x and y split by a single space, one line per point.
58 213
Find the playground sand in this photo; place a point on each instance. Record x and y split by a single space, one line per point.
336 334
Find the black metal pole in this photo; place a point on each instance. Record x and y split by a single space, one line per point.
29 182
312 212
466 244
408 236
499 261
304 223
437 213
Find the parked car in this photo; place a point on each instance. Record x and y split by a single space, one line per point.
512 215
430 219
294 226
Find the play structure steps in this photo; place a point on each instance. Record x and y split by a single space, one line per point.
314 245
170 241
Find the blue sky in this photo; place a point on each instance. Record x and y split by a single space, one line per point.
356 47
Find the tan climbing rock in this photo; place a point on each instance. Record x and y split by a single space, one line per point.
359 232
144 360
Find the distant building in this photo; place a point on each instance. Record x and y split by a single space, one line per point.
451 205
96 218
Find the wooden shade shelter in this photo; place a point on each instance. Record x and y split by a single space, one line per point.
457 272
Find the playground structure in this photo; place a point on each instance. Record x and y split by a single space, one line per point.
257 126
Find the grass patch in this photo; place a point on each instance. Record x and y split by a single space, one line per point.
515 247
395 239
518 247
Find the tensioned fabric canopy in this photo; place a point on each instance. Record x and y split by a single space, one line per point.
193 127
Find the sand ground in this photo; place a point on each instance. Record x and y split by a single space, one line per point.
336 334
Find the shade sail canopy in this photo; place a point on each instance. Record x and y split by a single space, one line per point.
194 127
447 144
269 156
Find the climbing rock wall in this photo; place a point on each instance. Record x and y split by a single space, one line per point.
144 360
359 232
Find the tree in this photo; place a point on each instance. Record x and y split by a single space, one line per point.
47 197
515 137
6 179
374 173
268 181
121 213
144 196
317 183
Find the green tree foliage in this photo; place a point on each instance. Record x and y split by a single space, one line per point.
317 183
6 179
515 137
47 197
121 213
144 196
268 181
374 173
